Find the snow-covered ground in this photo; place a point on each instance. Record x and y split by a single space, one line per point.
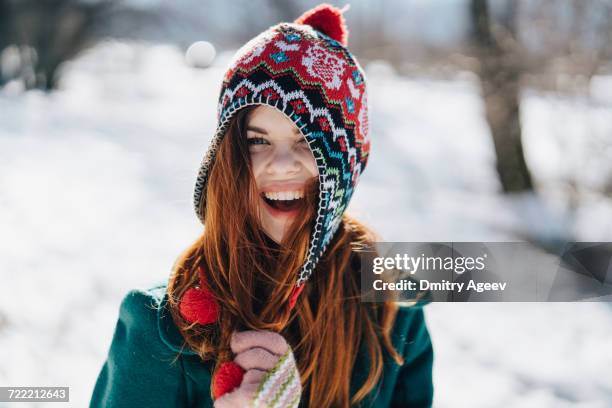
95 199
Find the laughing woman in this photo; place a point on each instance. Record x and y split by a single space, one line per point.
264 309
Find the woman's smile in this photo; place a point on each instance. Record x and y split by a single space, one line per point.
281 208
283 199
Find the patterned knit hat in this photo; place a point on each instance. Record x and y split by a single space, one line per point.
304 70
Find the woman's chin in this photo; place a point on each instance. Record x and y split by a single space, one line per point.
273 226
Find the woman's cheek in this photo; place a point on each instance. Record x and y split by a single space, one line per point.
257 162
309 163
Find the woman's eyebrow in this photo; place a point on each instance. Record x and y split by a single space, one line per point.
257 129
265 132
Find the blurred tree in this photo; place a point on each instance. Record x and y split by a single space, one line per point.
500 71
4 32
4 23
566 43
49 33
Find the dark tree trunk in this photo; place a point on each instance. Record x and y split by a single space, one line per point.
57 30
500 74
5 30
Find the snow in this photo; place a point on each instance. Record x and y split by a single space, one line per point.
96 182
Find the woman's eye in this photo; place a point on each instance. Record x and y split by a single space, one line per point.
256 141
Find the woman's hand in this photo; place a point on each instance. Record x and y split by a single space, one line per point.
271 377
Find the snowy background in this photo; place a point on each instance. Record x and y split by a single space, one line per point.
96 181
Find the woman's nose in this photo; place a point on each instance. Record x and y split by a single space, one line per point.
284 161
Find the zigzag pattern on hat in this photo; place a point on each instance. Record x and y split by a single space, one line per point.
337 131
314 61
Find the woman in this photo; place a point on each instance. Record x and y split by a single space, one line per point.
264 308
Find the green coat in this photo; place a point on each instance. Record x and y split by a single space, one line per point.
146 367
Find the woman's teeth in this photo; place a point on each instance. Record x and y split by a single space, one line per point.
284 195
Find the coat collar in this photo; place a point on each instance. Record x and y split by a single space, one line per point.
168 332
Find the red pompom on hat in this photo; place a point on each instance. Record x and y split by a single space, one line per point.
198 305
228 376
328 20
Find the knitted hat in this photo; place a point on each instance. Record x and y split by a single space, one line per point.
304 70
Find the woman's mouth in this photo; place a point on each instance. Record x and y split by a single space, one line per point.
283 203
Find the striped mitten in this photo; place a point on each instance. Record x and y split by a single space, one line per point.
271 377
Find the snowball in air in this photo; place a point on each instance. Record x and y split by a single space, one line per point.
200 54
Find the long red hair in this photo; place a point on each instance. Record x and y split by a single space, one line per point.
252 278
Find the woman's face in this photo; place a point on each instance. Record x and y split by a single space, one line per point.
282 162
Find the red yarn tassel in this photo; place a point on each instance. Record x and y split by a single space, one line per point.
295 294
228 376
198 305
